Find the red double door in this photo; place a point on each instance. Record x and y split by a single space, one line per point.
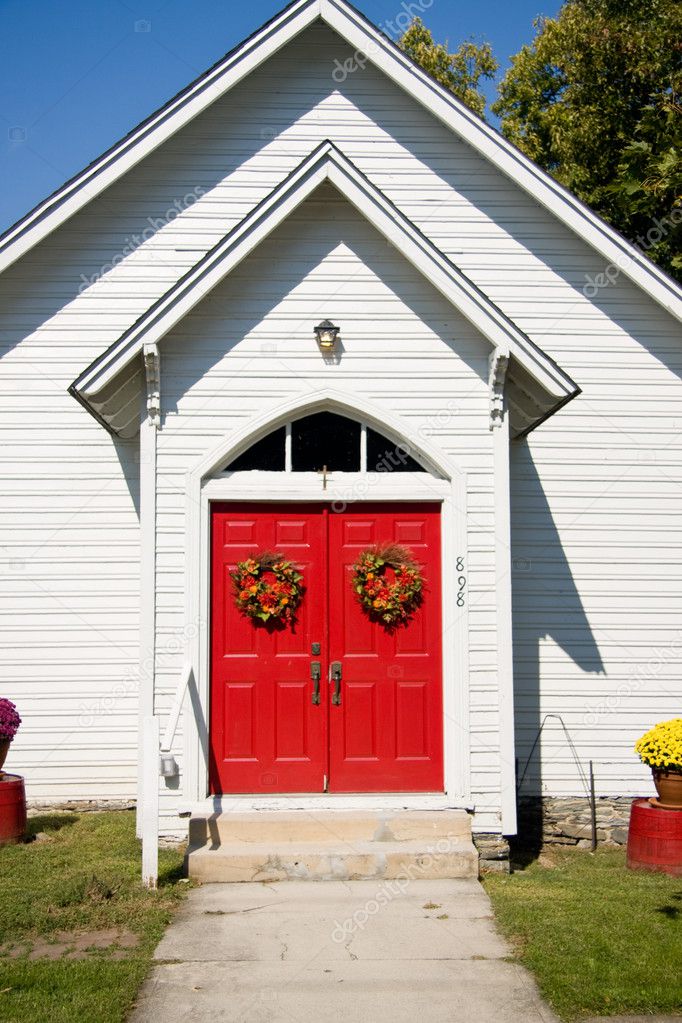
378 724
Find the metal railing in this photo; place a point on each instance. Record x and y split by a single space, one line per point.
157 759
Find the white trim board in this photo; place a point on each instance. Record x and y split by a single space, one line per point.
323 801
387 57
325 163
450 489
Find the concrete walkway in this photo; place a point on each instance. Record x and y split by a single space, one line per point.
337 952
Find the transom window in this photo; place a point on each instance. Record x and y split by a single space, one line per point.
325 440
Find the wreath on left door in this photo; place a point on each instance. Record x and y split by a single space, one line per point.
268 587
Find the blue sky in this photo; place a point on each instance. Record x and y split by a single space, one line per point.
76 76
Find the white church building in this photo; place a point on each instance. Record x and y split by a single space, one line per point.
497 390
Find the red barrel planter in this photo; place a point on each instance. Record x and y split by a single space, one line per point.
655 839
12 809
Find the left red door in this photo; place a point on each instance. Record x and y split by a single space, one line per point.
266 733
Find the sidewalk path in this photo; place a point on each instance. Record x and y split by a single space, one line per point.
338 952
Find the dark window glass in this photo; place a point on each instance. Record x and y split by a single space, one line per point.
385 456
267 454
325 439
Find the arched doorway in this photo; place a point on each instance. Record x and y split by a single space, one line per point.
247 469
337 700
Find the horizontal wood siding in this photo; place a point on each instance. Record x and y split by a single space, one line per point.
251 347
596 548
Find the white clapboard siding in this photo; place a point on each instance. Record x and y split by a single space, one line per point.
595 546
404 347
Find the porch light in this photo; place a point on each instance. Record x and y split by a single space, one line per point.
327 335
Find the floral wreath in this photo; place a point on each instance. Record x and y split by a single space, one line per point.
391 603
259 595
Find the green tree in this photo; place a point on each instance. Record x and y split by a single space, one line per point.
460 72
595 100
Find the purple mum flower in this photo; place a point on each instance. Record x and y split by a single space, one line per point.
9 720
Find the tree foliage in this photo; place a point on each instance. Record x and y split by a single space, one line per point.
461 72
595 100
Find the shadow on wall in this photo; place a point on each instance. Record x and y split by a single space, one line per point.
546 604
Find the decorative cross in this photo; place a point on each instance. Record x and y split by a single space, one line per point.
323 473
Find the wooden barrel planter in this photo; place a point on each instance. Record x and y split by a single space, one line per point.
655 839
12 809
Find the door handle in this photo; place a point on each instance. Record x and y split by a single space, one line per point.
316 675
336 675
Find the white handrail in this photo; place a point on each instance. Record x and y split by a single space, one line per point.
174 717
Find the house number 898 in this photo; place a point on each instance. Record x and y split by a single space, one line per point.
461 582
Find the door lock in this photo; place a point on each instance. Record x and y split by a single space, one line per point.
316 675
336 672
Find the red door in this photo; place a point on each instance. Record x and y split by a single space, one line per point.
384 734
266 734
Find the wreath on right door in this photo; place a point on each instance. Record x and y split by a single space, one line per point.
391 601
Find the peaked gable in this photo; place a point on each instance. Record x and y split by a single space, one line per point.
387 57
544 383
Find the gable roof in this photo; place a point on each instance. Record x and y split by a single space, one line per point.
385 55
543 379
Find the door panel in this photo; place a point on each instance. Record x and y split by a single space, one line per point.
386 736
266 735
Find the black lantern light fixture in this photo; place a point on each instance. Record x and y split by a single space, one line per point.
327 335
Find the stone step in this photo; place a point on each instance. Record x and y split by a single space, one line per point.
329 827
348 861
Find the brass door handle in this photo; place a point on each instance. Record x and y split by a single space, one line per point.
316 675
336 673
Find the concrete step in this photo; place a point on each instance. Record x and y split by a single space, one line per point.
331 845
312 861
329 826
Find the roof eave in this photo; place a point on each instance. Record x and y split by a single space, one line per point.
384 54
326 162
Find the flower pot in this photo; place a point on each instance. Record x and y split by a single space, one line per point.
669 787
12 809
4 750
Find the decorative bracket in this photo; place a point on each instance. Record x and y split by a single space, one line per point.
498 364
152 369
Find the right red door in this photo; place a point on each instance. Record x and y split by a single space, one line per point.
386 734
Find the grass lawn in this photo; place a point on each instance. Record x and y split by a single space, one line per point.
77 930
600 939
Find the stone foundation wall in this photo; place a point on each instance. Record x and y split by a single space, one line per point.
35 807
568 821
493 852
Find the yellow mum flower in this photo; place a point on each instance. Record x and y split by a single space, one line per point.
661 746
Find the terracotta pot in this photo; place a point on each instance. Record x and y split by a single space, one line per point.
4 750
669 787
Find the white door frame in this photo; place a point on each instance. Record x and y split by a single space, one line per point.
207 484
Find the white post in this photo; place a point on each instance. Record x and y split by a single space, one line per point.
150 802
503 601
148 441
